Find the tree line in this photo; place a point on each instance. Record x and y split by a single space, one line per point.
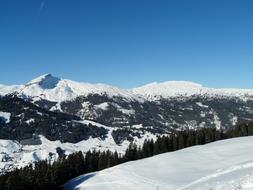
52 176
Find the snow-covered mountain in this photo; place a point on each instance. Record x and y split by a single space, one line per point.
69 114
156 104
170 89
222 165
54 89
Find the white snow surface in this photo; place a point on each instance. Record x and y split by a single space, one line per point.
55 89
173 89
202 105
167 89
102 106
222 165
4 89
6 116
23 155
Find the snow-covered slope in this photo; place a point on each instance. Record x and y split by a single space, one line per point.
55 89
170 89
9 89
16 155
5 116
222 165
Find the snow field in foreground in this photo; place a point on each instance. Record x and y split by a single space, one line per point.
222 165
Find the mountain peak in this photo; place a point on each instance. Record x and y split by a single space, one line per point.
46 81
169 89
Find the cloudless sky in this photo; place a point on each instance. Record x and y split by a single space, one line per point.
128 43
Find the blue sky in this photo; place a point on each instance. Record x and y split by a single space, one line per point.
128 43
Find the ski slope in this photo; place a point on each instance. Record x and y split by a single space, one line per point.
223 165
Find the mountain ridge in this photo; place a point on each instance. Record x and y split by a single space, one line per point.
57 89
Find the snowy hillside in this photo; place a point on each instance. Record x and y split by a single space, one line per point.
14 154
55 89
222 165
8 89
170 89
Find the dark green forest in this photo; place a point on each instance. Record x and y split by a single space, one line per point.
47 176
